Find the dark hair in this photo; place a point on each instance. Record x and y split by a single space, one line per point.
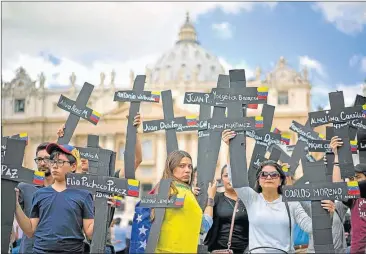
274 164
41 147
222 170
57 152
194 170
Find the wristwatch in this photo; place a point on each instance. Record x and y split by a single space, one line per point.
210 202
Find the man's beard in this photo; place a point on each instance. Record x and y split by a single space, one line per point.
46 170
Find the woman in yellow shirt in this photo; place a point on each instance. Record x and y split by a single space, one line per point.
181 227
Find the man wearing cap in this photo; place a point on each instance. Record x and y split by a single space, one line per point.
27 190
59 215
357 206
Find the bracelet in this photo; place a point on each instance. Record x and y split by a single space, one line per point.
336 163
210 202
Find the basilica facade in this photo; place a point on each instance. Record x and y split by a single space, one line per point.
187 66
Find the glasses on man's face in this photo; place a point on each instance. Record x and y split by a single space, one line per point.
39 160
59 163
273 175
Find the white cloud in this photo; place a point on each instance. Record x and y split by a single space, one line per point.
117 30
91 37
312 64
320 93
348 17
358 61
223 30
249 72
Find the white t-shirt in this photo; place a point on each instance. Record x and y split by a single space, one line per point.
269 221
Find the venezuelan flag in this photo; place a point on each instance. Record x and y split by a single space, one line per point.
285 138
275 130
118 200
133 187
179 200
262 92
321 136
353 145
155 95
353 188
191 120
364 110
95 116
38 178
24 136
259 121
252 106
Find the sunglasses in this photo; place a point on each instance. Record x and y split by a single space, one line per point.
273 175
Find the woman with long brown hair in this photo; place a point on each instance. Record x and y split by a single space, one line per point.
181 227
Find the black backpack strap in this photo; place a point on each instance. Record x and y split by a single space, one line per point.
290 222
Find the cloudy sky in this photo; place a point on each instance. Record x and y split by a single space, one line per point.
87 38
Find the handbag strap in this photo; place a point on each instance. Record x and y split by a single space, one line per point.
232 224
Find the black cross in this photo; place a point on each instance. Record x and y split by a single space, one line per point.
135 97
320 188
342 118
12 173
235 97
102 185
263 139
338 114
21 136
209 142
361 140
77 109
170 123
160 202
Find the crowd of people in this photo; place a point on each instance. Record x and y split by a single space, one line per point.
55 219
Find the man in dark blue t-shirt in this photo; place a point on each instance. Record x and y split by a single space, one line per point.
59 216
26 191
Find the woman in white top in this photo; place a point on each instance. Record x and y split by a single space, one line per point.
269 221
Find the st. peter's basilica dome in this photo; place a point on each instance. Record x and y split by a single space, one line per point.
187 61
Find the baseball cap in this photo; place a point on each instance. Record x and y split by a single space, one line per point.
360 168
68 149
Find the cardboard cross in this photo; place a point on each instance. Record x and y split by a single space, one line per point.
102 185
135 97
338 114
263 139
20 136
77 109
170 123
209 142
358 124
12 173
235 97
361 141
160 202
320 188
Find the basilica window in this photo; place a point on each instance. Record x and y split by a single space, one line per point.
19 106
282 98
